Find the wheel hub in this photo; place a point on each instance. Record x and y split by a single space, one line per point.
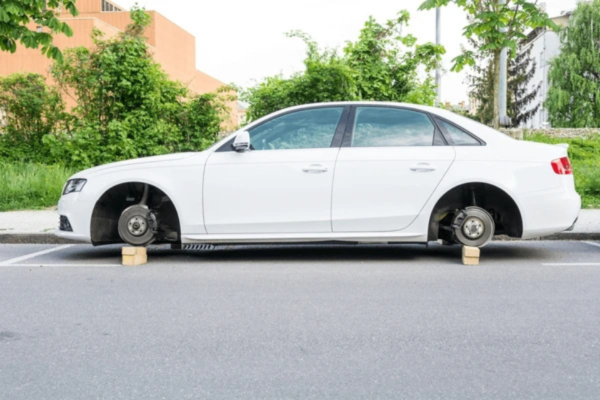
473 228
137 225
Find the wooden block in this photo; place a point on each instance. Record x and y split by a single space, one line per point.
133 256
470 255
470 260
470 251
132 251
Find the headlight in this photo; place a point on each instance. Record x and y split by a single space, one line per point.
74 185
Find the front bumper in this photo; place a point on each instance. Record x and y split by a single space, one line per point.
79 215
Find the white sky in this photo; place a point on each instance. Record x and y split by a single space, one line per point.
242 41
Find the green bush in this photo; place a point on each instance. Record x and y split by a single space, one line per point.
383 64
127 107
585 157
31 186
33 110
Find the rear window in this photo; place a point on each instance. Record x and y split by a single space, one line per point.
459 137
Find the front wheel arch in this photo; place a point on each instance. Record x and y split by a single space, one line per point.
109 207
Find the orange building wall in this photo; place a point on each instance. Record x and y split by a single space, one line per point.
32 60
172 47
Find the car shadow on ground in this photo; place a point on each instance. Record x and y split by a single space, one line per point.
499 251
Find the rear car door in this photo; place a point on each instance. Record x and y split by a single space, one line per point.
391 161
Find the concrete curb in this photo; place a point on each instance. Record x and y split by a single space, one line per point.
33 238
49 238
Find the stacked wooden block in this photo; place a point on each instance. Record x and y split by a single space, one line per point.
133 256
470 255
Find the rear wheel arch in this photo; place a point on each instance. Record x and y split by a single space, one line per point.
504 209
117 198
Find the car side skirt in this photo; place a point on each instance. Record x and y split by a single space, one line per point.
362 237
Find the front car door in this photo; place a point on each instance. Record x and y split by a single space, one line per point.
284 183
391 161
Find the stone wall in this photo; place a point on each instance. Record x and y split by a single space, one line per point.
553 132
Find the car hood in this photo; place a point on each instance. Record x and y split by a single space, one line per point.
133 163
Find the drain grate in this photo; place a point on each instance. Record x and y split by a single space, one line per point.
198 247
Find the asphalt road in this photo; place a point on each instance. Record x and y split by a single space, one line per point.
301 322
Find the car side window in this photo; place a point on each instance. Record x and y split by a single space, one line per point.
389 127
305 129
458 136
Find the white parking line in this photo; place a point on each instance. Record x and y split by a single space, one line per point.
592 244
39 253
572 265
61 265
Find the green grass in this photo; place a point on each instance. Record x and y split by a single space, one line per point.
585 157
28 186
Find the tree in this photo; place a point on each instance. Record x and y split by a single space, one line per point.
481 85
16 15
521 70
520 97
383 64
574 78
496 26
326 78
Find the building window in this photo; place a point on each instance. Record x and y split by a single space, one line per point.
108 7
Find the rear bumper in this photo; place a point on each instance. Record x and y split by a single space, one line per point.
572 226
549 212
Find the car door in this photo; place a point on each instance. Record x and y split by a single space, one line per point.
284 183
391 161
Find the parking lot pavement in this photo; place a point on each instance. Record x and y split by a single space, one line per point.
278 322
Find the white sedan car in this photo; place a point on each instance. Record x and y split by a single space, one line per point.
347 172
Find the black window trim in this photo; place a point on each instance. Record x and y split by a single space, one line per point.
449 138
347 141
337 136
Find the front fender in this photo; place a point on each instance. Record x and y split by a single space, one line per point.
182 183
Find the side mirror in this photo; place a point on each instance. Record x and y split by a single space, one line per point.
242 142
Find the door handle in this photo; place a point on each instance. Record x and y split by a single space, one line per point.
422 167
314 169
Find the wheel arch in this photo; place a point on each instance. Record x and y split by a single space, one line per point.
493 198
113 201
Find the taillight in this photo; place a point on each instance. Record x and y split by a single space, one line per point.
562 166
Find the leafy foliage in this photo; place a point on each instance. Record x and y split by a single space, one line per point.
15 15
521 70
574 95
383 64
495 26
126 105
32 110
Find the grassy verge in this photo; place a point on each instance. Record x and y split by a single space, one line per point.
27 186
585 157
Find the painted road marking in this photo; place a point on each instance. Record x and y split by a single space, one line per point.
32 255
61 265
592 244
572 265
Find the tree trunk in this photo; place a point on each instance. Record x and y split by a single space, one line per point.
496 97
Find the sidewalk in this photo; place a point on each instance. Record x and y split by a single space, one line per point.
37 227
